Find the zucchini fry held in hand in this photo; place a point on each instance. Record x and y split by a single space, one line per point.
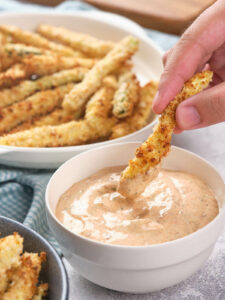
149 155
78 41
96 125
79 95
141 113
28 87
36 40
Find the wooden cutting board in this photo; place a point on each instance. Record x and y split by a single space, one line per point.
171 16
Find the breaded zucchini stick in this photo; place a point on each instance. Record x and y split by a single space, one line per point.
110 81
96 125
12 76
10 249
14 53
79 95
41 291
40 66
141 113
36 40
25 278
97 112
126 96
29 87
35 105
68 134
56 117
151 152
78 41
4 39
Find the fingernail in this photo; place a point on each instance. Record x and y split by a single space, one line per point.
155 100
188 117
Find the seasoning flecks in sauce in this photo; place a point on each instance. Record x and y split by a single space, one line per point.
172 206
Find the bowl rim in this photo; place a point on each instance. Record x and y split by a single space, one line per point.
85 15
63 272
129 247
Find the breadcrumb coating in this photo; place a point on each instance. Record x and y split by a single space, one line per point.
41 291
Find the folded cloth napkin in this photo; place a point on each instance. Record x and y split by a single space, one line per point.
22 191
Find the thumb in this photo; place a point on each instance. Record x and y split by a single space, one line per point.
204 109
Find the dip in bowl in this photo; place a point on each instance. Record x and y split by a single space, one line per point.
135 269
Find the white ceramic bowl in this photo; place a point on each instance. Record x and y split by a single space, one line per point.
127 268
147 65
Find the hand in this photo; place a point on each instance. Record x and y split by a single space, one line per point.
201 46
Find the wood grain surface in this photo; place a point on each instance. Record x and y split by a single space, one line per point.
171 16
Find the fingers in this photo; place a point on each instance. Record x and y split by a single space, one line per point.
165 56
204 109
205 35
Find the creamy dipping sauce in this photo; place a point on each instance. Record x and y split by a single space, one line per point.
172 206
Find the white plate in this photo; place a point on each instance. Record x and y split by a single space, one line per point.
147 65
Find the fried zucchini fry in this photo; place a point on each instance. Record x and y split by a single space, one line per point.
28 87
110 81
36 40
56 117
25 278
45 64
40 66
35 105
41 291
4 39
10 249
97 125
141 113
97 112
126 96
12 76
78 41
79 95
14 53
151 152
68 134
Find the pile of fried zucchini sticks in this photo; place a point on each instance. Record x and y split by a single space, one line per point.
62 88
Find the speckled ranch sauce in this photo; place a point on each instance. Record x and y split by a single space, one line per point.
173 205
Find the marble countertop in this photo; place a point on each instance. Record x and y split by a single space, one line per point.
209 282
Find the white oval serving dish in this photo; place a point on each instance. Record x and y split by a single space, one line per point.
147 65
128 268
